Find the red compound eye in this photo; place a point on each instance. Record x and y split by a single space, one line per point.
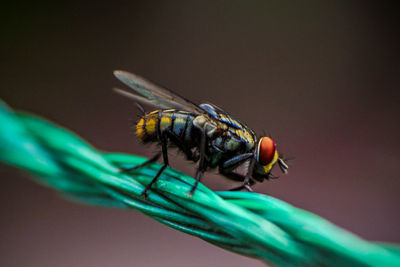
266 150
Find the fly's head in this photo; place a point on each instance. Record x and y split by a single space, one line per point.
267 156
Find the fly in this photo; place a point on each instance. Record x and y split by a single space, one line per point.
205 133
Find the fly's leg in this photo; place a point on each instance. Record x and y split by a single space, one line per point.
150 160
240 178
251 182
234 162
228 166
180 144
165 158
233 176
202 166
246 182
165 136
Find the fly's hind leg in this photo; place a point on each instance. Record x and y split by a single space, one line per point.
147 162
165 158
180 144
166 136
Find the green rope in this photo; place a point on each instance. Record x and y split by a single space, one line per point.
251 224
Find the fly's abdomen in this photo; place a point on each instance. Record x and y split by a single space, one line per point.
146 128
152 125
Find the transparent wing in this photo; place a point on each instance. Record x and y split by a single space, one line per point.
152 94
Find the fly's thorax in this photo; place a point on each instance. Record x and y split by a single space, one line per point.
224 138
200 121
227 143
211 128
249 137
243 137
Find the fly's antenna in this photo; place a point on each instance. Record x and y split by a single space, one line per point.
282 165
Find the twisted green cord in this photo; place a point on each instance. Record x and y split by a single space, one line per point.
251 224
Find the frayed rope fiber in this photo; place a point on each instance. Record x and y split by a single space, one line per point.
247 223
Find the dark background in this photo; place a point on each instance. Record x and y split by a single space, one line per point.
321 77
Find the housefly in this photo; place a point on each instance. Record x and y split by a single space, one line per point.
205 134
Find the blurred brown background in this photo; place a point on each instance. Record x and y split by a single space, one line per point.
322 78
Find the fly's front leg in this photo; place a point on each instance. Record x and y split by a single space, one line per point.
202 166
229 165
251 182
246 183
234 162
